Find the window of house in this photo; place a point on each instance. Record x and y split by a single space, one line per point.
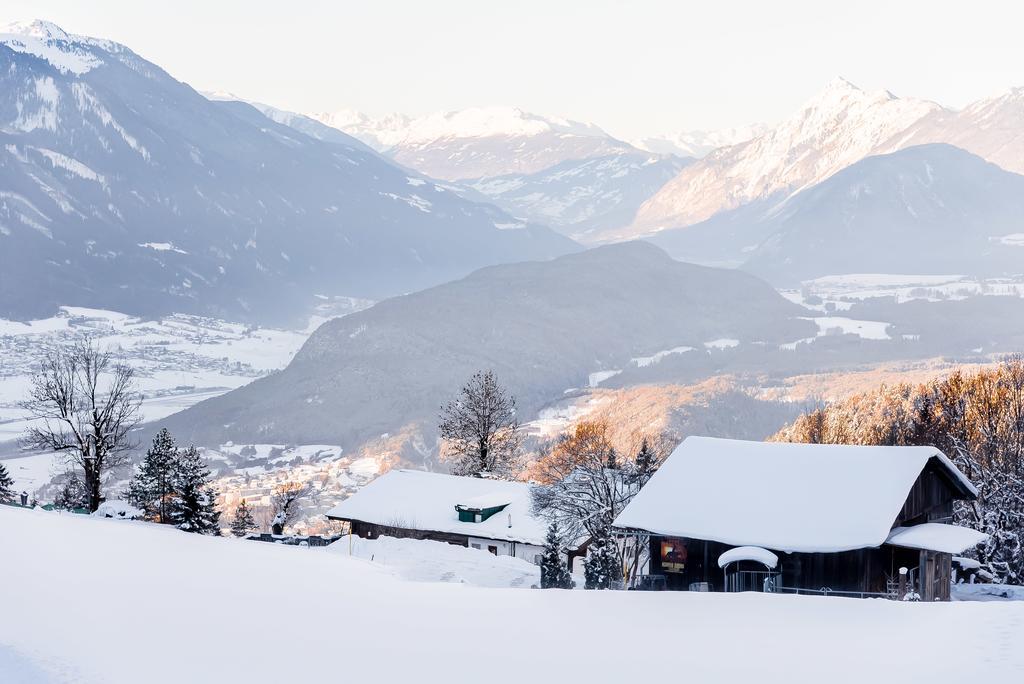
673 555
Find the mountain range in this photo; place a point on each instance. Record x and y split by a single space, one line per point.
925 209
838 127
126 189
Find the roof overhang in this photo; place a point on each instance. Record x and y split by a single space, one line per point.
936 537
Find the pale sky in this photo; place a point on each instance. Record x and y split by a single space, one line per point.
634 68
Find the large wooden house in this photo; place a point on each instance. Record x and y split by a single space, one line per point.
728 515
491 515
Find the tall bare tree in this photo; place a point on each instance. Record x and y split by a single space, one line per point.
285 503
84 405
480 430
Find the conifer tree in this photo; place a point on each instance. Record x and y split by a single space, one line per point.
152 487
72 494
6 485
554 574
646 463
601 567
243 523
193 505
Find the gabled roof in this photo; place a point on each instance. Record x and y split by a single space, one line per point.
417 500
783 496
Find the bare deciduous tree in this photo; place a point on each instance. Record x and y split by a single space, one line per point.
285 504
584 485
84 406
480 429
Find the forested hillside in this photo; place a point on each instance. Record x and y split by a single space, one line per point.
977 419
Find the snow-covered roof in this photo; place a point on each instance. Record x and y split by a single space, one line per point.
967 563
418 500
488 500
749 553
936 537
782 496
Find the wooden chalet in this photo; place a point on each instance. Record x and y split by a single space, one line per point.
727 515
491 515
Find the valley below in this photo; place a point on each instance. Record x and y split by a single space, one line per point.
863 331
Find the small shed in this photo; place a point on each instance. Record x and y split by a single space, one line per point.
837 519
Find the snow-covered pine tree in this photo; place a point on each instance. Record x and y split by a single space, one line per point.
243 522
6 485
72 493
152 486
554 574
601 568
193 505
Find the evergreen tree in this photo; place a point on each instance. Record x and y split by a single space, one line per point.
613 460
193 504
554 574
243 523
152 487
601 569
646 463
72 494
6 485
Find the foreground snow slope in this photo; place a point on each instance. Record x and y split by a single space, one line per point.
78 594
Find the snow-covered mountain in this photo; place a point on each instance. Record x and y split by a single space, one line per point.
479 142
125 189
992 128
926 209
569 175
698 143
583 197
839 126
379 133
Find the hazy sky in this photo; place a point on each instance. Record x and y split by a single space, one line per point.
634 68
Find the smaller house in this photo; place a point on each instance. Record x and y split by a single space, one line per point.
491 515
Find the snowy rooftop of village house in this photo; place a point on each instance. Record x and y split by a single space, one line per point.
782 496
418 500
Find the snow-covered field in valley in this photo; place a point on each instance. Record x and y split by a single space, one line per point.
94 601
179 360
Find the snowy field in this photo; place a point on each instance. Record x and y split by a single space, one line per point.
111 602
840 292
432 561
179 360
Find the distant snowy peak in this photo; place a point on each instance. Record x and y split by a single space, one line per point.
68 53
379 133
698 143
479 142
837 127
38 28
485 122
992 128
476 122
